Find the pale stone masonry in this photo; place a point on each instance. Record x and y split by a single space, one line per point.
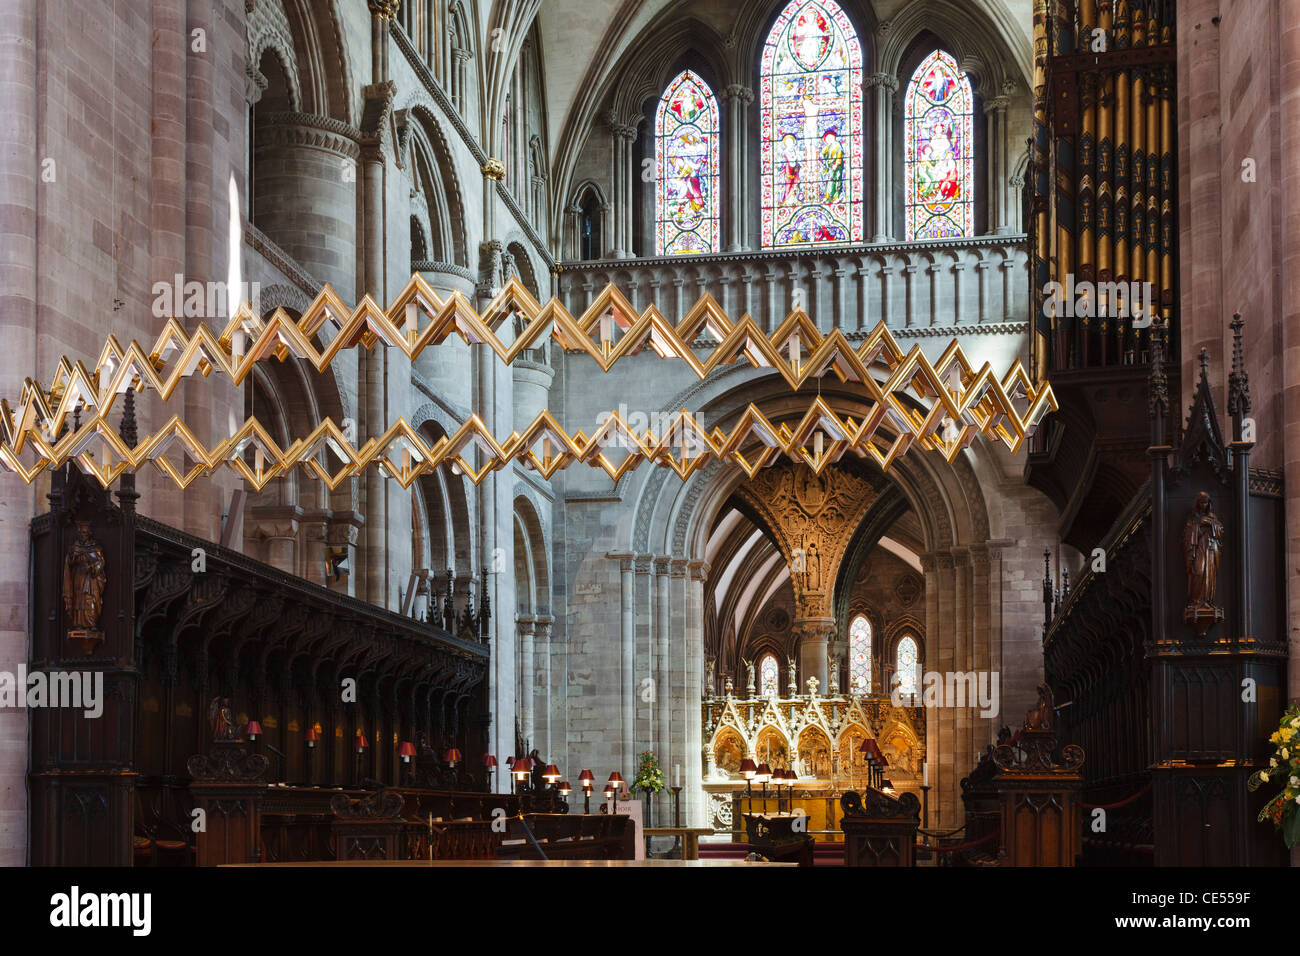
355 159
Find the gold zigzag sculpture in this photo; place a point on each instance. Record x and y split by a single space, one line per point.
940 406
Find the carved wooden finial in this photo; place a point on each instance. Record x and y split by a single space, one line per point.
1157 381
1238 380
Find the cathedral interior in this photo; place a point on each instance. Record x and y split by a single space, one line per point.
833 432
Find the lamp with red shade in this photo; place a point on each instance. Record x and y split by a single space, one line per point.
587 781
312 737
453 757
406 751
876 762
551 774
253 730
614 785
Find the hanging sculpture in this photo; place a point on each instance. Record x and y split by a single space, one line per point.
940 406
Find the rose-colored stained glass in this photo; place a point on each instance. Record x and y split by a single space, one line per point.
686 168
811 116
940 164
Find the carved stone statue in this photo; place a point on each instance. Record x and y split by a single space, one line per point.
833 677
1202 540
85 576
793 682
709 680
1039 717
221 719
750 688
812 686
730 686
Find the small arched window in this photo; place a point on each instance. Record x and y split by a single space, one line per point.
589 228
940 165
768 675
860 655
686 168
907 667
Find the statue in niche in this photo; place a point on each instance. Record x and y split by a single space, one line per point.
814 560
1202 541
1040 715
221 719
85 576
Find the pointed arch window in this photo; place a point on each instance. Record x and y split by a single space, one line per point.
686 168
769 678
940 161
811 130
860 655
907 667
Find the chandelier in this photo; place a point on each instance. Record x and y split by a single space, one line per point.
940 406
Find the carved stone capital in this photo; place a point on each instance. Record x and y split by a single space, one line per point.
886 81
738 91
384 9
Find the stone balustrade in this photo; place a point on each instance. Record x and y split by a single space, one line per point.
941 289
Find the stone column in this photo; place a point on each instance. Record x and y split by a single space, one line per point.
524 624
573 215
1009 311
460 56
627 661
1289 321
542 645
881 88
374 391
814 636
941 633
736 187
686 710
663 674
999 164
20 197
646 645
621 172
694 805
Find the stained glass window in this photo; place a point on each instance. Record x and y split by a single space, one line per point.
905 669
812 127
860 656
940 166
686 168
768 675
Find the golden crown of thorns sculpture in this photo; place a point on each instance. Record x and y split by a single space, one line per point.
940 407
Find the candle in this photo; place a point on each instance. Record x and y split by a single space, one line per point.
925 774
677 775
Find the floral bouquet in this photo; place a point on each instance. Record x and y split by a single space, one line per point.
648 775
1283 811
